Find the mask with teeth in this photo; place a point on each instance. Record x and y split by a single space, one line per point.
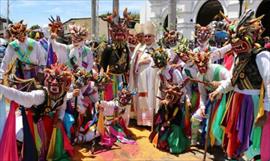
57 81
118 29
18 30
203 34
201 60
170 38
247 31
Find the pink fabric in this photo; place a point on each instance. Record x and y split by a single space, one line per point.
8 145
121 136
108 92
265 146
267 45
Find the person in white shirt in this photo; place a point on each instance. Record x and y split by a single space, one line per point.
28 55
250 100
44 101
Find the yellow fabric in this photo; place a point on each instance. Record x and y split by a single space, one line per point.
52 146
261 106
100 124
37 139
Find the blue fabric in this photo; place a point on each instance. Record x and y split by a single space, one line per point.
68 122
31 153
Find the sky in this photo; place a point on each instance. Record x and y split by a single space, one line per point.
37 11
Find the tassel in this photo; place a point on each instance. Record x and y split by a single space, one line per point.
155 140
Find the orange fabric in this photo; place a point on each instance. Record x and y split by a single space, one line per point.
230 129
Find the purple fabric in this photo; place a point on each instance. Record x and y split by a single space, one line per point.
84 64
42 134
244 123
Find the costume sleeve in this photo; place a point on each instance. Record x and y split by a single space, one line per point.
188 85
219 53
9 55
61 50
263 63
225 86
90 61
26 99
41 55
203 95
224 74
178 78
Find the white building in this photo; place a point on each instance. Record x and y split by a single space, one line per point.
190 12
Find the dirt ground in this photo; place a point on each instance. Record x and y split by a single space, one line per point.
143 151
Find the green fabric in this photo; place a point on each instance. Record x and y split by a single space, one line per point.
85 52
216 76
256 133
60 154
177 140
217 130
118 128
188 73
163 136
194 99
217 73
23 55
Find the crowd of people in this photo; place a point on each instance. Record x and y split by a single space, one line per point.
57 95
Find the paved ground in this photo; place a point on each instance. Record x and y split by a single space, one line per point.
143 151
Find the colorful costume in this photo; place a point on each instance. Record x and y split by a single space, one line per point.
250 76
109 123
27 54
115 56
41 140
203 34
208 73
168 133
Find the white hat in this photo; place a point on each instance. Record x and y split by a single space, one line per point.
138 28
149 28
132 32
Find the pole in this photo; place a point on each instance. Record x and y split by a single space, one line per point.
172 15
94 20
7 20
116 6
240 7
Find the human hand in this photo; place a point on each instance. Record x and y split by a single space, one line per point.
76 92
214 95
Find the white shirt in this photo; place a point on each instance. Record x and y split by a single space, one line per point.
64 52
224 74
37 56
29 99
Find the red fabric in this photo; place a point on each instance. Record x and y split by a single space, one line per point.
67 145
48 125
31 122
228 60
8 145
265 142
108 92
230 126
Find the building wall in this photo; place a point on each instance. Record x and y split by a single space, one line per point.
187 11
86 22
